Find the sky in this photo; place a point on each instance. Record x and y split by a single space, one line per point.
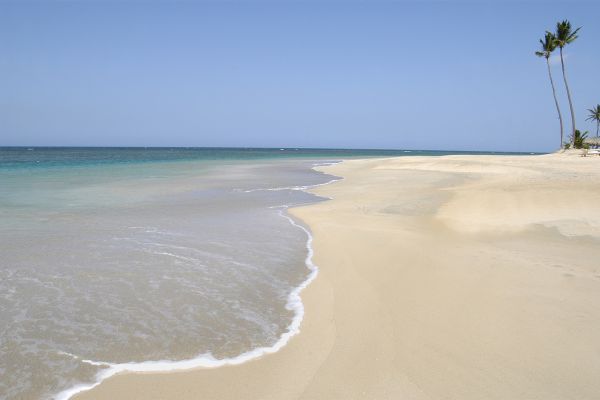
440 75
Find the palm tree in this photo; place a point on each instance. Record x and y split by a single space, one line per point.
595 116
563 36
578 139
548 46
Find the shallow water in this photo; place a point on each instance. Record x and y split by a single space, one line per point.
121 263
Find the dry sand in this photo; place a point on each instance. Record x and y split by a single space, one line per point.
459 277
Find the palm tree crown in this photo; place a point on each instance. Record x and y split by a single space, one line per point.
594 115
548 45
564 35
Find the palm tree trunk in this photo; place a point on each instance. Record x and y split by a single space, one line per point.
597 128
562 63
555 102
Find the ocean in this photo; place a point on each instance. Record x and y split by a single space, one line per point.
149 259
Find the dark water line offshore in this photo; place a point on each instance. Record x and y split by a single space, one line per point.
32 157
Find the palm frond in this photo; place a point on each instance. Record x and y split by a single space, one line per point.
594 114
571 38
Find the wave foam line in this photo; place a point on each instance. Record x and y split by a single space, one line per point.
206 360
325 164
277 189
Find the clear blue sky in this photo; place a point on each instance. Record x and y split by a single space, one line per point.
426 75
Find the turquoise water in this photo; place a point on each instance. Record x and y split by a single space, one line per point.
148 258
35 157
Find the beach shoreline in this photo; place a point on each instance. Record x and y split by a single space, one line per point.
440 277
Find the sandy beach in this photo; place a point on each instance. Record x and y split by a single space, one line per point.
456 277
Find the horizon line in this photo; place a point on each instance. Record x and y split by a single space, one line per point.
264 148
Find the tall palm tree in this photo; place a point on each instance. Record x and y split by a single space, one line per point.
563 36
594 115
548 46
